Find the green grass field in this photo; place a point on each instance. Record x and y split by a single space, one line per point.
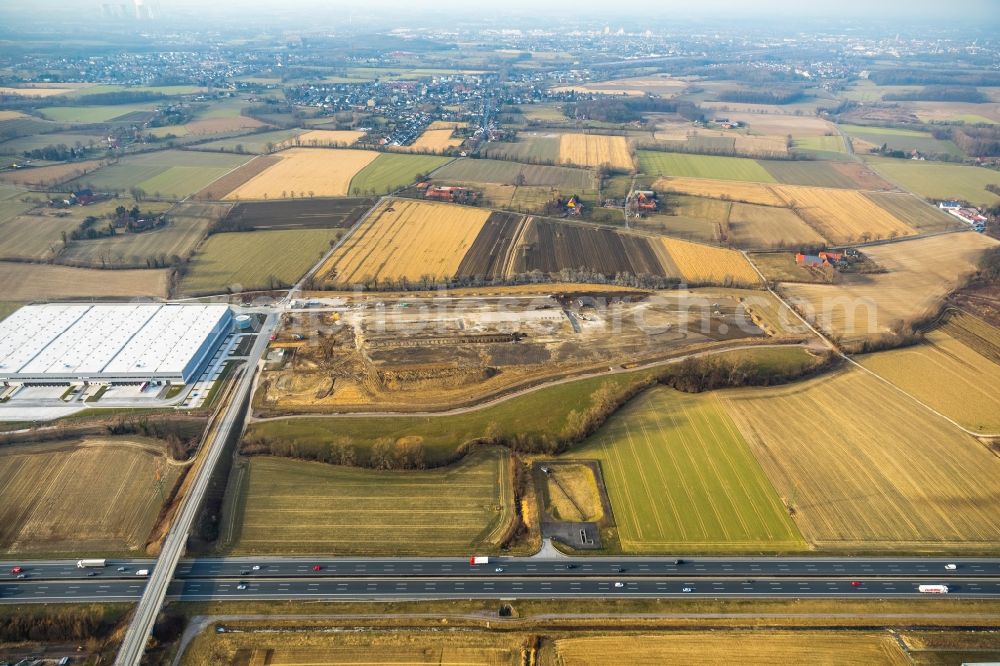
291 506
941 181
808 172
902 139
255 259
825 144
391 171
508 173
173 174
916 213
703 166
94 114
681 478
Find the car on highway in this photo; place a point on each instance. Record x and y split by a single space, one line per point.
121 569
571 566
241 586
687 589
619 584
499 569
618 569
16 569
678 561
256 567
22 575
317 567
855 583
951 567
91 573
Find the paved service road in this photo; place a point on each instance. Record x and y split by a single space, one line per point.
932 568
498 586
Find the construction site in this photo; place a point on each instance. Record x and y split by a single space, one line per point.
433 354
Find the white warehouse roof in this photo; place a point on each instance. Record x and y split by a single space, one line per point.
109 342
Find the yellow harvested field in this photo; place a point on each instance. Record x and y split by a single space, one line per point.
864 466
25 282
306 172
755 193
699 264
573 494
768 227
842 216
11 115
594 150
762 145
436 140
412 647
326 138
403 238
35 92
722 648
948 376
920 273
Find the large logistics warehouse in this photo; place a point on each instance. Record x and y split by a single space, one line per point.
109 343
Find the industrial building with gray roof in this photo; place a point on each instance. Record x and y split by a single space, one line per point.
109 343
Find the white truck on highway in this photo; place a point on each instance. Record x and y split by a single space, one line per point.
933 589
142 572
83 564
479 559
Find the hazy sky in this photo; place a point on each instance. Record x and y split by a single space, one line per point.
988 10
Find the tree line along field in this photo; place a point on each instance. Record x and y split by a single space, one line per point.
171 174
948 375
866 468
50 176
94 496
254 260
511 173
289 506
919 274
681 478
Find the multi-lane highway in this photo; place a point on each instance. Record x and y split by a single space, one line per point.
292 567
440 578
499 586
